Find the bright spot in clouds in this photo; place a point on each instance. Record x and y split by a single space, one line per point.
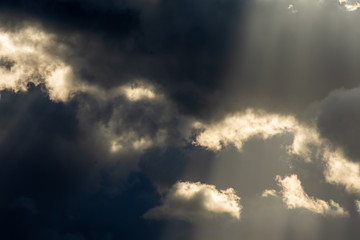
138 93
196 202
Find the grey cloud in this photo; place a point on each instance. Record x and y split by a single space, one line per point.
140 74
338 120
182 45
7 63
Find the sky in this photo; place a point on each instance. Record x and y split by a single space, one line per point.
179 120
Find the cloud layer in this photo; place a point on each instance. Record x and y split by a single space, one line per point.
123 119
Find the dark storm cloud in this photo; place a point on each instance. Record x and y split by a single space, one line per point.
339 118
133 126
164 167
58 176
52 186
6 63
210 57
82 15
182 45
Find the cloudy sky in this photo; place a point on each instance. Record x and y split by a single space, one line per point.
179 120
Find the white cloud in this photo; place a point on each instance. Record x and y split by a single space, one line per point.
350 5
33 63
196 202
304 137
340 171
294 196
238 128
269 192
25 58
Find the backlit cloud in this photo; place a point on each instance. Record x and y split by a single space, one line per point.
238 128
350 5
26 58
294 196
138 93
341 171
29 56
196 202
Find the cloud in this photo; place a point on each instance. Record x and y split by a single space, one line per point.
64 175
29 55
25 57
309 142
182 46
138 93
269 192
338 120
341 171
350 5
197 202
32 56
294 196
357 205
238 128
121 74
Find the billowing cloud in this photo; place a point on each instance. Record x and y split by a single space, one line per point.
294 196
196 202
26 58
